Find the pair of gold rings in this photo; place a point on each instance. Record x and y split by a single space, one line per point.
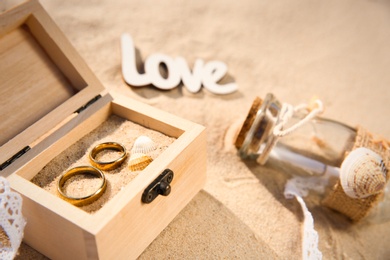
95 171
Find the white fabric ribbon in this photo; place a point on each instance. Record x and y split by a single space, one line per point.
299 187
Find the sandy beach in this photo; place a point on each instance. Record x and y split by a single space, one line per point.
335 50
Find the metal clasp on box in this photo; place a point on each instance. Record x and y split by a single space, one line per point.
160 186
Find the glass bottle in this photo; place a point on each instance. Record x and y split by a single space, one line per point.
318 147
315 147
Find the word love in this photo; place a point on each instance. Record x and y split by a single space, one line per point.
208 74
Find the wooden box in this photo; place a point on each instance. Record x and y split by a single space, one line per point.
49 100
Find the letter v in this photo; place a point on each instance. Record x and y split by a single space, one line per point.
193 82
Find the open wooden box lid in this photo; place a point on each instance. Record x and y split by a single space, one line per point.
43 80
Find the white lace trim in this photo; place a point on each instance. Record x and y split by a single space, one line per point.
299 187
11 219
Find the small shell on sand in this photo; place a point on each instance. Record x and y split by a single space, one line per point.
143 144
139 161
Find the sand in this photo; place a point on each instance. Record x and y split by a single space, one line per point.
336 50
114 129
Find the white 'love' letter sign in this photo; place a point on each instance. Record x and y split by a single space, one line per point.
207 74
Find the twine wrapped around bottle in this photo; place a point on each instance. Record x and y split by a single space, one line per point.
357 209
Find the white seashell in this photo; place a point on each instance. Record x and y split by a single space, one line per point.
363 173
139 161
143 144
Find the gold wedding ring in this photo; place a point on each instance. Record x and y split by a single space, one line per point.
108 165
81 170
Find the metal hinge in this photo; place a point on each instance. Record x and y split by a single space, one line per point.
25 149
89 103
13 158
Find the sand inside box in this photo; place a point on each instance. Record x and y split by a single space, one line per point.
114 129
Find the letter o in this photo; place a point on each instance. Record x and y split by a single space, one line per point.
152 69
